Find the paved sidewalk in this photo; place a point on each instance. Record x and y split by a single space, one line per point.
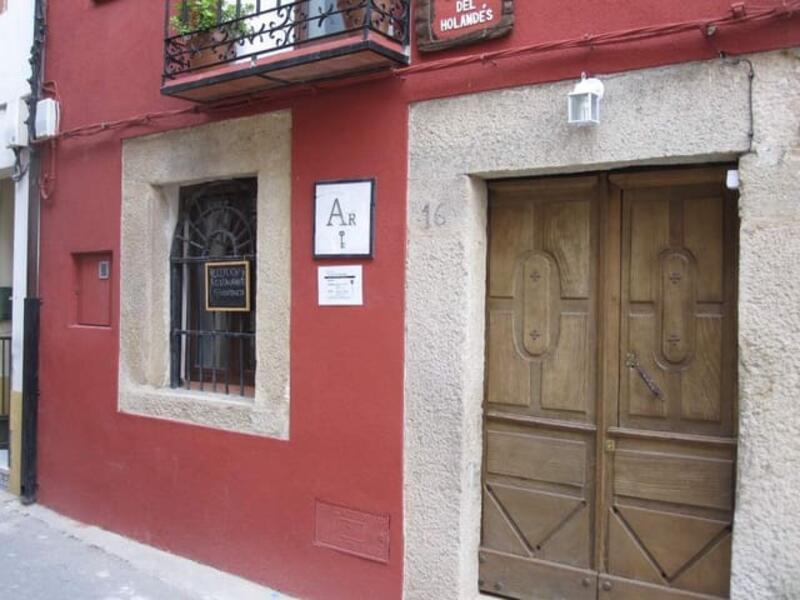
44 556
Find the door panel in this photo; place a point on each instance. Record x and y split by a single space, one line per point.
539 439
568 373
567 232
688 478
541 301
649 235
678 307
530 454
616 484
509 375
617 588
673 466
514 577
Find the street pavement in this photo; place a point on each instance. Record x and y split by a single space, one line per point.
44 556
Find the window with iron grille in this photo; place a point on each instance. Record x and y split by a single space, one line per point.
213 350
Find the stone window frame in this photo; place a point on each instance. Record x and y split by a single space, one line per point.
154 167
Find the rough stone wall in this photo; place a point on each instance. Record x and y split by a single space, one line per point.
690 113
766 550
444 324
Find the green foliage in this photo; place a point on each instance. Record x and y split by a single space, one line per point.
202 15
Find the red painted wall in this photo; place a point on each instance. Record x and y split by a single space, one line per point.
243 503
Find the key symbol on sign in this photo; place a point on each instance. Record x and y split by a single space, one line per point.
341 238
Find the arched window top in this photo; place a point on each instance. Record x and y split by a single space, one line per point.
217 220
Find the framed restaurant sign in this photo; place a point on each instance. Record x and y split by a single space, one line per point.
443 24
228 286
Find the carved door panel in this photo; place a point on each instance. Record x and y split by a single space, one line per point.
609 419
541 384
671 475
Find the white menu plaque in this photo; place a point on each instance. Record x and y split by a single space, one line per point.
340 286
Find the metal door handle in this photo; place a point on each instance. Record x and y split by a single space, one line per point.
633 363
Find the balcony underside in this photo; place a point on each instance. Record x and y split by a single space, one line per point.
342 57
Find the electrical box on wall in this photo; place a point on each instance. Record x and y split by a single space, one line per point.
47 118
93 288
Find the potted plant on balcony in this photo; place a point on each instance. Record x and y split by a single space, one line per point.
384 13
208 32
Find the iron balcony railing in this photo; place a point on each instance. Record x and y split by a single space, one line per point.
248 31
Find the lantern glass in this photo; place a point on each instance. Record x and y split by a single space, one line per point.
584 108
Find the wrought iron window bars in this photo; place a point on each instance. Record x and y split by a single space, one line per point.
212 351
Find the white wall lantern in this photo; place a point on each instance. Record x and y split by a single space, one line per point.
584 101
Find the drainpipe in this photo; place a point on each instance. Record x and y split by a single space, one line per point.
30 354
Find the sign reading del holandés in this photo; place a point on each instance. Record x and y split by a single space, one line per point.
444 24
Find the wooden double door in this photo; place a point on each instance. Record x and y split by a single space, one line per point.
610 406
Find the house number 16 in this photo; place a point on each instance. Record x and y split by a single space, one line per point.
434 217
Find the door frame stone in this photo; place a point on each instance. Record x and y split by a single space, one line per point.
692 113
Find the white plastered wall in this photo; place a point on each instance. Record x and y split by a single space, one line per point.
16 37
19 280
689 113
6 241
154 168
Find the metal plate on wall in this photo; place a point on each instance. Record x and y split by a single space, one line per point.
352 531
